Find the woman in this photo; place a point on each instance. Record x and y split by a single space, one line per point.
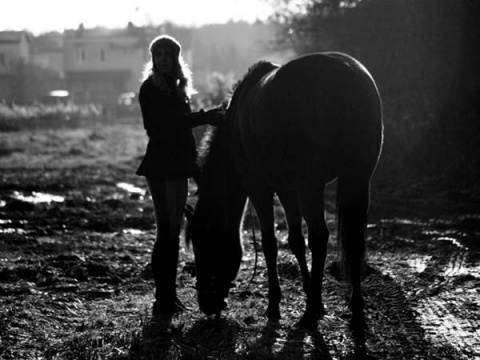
170 158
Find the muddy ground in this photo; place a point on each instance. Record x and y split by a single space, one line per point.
76 233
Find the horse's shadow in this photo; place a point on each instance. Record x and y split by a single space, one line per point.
155 341
214 338
264 346
392 331
295 344
207 338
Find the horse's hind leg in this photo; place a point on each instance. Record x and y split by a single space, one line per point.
262 199
311 203
352 207
296 239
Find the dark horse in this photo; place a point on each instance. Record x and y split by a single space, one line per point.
289 130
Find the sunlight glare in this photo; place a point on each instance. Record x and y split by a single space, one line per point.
58 15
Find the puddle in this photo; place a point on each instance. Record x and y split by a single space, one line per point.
132 231
131 188
404 239
404 222
46 240
452 240
9 228
37 197
433 230
419 264
12 231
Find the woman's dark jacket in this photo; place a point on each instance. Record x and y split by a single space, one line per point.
171 151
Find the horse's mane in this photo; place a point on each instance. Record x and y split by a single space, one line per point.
251 77
214 146
205 145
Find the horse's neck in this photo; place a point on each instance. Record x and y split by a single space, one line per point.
221 187
222 191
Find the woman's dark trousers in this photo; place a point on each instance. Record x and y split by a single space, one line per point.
169 198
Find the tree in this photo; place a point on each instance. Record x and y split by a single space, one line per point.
424 56
305 23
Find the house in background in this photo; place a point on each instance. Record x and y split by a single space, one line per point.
14 46
29 66
48 53
100 64
103 66
15 49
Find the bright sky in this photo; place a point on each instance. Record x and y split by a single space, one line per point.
40 16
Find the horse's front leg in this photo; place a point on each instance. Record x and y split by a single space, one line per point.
262 200
312 207
270 250
296 240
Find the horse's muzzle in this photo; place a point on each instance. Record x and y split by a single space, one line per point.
212 297
211 305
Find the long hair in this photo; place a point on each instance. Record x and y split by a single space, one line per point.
180 73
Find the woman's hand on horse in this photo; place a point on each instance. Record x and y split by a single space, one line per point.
215 116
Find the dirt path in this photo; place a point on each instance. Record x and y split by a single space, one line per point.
437 264
75 243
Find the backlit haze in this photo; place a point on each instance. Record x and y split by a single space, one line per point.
38 16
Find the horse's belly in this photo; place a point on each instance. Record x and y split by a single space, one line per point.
285 161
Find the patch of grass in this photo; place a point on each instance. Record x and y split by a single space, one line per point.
56 148
106 332
16 117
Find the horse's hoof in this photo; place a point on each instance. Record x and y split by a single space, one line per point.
321 312
273 314
308 323
213 308
358 321
356 305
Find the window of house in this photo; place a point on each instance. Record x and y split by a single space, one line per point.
102 55
3 60
80 55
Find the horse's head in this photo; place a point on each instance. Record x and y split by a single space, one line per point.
218 255
213 227
215 224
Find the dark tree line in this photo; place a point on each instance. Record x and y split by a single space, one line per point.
424 55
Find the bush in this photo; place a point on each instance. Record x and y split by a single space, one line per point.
424 56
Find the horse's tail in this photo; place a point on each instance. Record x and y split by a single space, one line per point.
353 198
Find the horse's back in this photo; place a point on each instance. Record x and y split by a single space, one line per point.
318 92
312 114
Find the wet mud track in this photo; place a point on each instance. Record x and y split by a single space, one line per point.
80 245
436 264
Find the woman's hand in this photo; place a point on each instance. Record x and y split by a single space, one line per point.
215 116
